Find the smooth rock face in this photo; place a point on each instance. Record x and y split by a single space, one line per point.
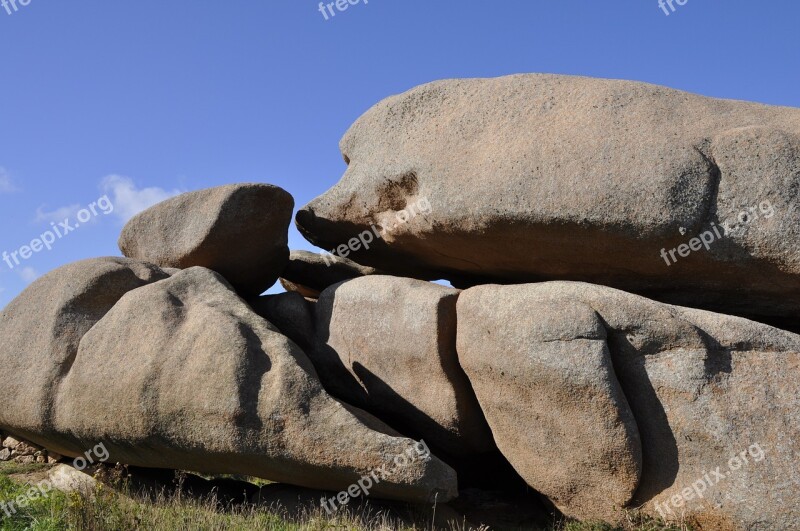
706 390
183 374
544 378
238 230
538 177
311 273
387 345
42 328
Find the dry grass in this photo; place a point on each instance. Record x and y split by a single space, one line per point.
107 509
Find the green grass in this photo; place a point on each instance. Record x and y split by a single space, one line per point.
105 510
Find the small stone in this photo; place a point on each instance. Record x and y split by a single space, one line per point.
24 448
54 457
10 442
66 479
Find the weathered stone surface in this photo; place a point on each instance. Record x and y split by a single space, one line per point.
183 374
41 330
238 230
291 313
536 177
311 273
544 378
704 389
10 442
387 344
24 448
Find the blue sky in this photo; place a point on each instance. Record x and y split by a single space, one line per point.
142 99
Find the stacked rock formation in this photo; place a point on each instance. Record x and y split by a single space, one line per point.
571 214
24 453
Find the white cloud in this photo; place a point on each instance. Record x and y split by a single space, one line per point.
129 200
57 215
6 185
28 274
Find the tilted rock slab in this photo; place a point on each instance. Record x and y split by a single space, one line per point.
238 230
387 344
311 273
182 374
546 177
707 391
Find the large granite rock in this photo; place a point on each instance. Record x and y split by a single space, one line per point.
544 378
42 328
182 374
536 177
715 399
238 230
387 345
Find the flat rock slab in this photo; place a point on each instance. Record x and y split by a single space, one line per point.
311 273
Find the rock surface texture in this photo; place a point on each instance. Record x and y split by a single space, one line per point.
239 231
714 400
387 345
544 377
544 177
41 331
291 313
